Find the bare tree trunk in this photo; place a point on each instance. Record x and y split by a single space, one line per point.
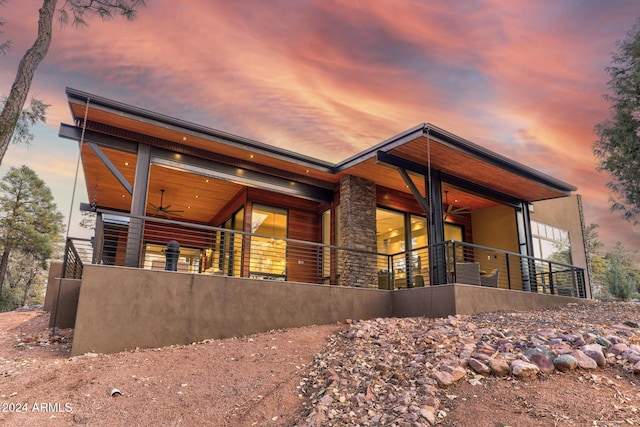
27 286
4 265
26 70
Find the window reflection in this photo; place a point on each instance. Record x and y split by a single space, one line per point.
551 243
268 254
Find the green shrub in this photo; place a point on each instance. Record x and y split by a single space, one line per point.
619 280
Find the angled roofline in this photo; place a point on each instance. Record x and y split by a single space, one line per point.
460 144
496 159
184 126
423 129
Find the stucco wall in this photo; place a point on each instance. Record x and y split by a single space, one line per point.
566 213
122 308
496 228
55 270
445 300
64 302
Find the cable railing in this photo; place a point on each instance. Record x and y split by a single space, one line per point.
77 253
150 243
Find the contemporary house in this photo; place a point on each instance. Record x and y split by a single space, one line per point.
203 234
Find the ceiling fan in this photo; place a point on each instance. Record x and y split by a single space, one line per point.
165 211
452 210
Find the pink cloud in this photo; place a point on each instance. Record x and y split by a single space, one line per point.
331 78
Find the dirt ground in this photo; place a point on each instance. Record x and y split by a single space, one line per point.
254 381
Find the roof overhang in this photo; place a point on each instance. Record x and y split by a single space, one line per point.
115 128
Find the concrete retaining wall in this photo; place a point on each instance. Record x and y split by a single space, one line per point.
55 272
122 308
445 300
64 302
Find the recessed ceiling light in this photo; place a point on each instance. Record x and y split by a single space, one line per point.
307 171
251 156
126 163
123 196
184 138
206 180
197 196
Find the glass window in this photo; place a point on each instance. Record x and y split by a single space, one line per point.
188 260
268 254
326 240
453 232
390 234
419 242
390 239
553 244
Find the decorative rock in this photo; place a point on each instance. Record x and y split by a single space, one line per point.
326 400
616 339
478 366
444 379
428 414
522 369
634 358
579 342
565 363
584 361
543 362
595 352
617 349
388 371
506 347
540 350
499 367
432 402
603 342
456 372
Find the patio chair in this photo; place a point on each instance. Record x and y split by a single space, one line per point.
491 279
468 273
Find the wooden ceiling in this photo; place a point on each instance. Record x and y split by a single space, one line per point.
201 197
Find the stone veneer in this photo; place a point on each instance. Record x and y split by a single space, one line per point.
358 231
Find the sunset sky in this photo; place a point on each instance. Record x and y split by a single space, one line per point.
329 79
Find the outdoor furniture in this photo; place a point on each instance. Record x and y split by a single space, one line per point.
468 273
491 279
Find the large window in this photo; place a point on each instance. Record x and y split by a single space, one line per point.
390 233
155 259
326 240
268 258
551 242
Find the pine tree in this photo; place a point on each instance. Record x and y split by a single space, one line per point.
29 220
617 149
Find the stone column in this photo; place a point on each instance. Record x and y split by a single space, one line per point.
358 231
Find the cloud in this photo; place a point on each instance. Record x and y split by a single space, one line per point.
331 78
